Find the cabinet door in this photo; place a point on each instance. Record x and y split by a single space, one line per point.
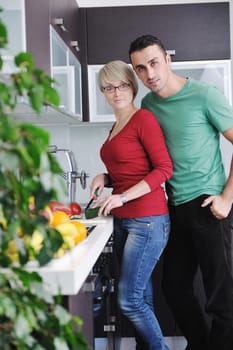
64 19
37 29
13 16
194 31
66 71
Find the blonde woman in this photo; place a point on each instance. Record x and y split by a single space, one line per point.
137 163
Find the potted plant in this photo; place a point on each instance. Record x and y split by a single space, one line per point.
30 317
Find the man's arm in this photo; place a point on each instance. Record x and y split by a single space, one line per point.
221 204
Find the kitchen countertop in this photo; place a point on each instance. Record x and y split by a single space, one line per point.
66 275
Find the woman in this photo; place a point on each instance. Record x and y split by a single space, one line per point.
137 161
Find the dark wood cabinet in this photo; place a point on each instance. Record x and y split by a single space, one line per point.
39 16
195 31
64 17
37 32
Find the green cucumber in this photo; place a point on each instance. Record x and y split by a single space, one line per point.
91 213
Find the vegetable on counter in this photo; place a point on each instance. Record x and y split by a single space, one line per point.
72 209
75 208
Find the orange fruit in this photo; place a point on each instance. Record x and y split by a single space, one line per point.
59 217
81 231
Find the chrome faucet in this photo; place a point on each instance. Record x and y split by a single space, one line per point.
72 175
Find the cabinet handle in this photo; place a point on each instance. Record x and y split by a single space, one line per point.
60 23
74 44
171 52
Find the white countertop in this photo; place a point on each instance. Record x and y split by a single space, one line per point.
67 274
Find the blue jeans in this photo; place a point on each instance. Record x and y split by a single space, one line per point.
139 243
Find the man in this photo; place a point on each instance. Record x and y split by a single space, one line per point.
192 115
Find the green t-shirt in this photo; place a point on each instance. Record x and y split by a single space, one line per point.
192 121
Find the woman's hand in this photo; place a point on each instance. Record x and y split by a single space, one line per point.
108 203
97 182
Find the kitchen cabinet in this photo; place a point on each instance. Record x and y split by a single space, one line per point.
64 17
184 29
37 32
14 16
59 22
66 71
198 31
217 73
29 23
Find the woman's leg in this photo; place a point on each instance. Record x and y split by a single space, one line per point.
145 242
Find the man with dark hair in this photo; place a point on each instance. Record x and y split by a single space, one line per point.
192 116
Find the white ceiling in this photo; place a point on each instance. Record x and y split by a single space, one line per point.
109 3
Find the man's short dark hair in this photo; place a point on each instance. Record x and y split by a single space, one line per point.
144 41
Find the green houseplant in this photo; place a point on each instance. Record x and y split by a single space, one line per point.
30 317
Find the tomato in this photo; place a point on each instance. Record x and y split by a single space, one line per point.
75 208
58 206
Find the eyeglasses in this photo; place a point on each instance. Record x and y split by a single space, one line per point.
109 89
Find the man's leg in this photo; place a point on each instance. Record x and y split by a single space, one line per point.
180 267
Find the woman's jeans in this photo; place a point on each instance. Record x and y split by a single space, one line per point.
197 241
139 243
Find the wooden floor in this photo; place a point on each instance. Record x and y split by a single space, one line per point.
174 343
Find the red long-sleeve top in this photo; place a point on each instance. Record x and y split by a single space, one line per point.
138 152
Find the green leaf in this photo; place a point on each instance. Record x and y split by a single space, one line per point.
27 277
8 161
50 247
24 60
39 347
26 80
21 326
36 98
62 315
60 344
1 63
3 35
51 96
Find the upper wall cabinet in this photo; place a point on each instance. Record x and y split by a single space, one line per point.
66 71
198 31
64 18
28 24
216 73
14 16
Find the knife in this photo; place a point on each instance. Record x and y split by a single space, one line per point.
95 195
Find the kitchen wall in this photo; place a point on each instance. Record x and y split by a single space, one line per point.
85 141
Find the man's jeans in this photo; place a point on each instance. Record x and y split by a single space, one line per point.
139 243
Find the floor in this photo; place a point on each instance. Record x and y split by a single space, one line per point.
174 343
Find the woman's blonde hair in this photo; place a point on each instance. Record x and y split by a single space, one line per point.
117 71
